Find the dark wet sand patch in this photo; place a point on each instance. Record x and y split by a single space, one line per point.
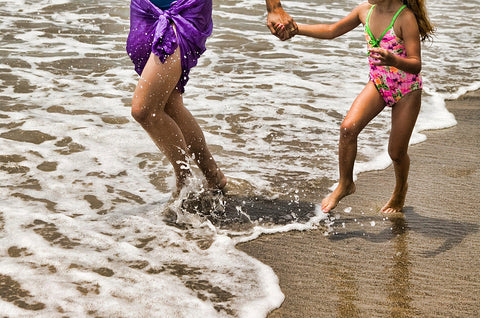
94 202
15 169
101 174
139 264
31 136
115 120
127 102
131 196
204 289
62 110
48 166
20 86
11 291
16 63
124 195
83 66
64 142
12 124
23 87
144 241
15 251
50 233
103 271
48 204
32 184
68 146
35 153
17 107
12 158
88 287
10 164
158 180
208 292
2 222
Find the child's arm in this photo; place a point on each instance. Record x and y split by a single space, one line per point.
330 31
411 37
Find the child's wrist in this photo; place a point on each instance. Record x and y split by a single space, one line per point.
298 30
294 31
395 61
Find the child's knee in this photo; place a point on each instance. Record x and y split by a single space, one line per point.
397 155
348 130
139 112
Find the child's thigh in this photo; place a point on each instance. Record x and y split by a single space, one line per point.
366 106
158 79
404 117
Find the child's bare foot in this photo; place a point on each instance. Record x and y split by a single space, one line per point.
396 202
217 181
331 201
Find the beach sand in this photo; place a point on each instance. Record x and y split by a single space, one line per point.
425 264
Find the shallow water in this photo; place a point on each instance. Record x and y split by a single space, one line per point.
85 215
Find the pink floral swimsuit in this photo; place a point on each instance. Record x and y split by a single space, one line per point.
390 82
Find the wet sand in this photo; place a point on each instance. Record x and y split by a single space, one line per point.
426 264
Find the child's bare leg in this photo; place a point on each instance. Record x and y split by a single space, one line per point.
195 141
347 151
396 202
154 88
365 107
404 116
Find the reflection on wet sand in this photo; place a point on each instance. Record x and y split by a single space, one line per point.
347 292
399 284
398 273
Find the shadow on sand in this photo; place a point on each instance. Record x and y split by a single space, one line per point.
451 232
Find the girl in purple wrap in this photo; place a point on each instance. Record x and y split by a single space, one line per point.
393 30
166 38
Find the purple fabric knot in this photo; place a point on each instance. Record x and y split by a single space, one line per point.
164 39
151 30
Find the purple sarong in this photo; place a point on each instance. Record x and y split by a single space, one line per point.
151 30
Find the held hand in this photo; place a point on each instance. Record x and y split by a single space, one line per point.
281 24
383 57
282 32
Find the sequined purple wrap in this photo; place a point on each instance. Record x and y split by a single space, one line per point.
151 30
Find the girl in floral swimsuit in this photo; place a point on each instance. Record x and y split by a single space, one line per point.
391 82
394 29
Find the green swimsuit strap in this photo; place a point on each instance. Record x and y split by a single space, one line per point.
374 42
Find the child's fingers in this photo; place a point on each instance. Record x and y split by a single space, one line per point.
378 51
378 54
280 30
279 27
